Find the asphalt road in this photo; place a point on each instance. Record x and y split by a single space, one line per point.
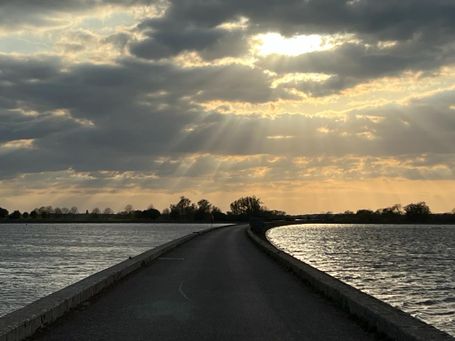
218 286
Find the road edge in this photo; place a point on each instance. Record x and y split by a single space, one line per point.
24 322
369 311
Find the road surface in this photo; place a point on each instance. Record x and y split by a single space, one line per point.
218 286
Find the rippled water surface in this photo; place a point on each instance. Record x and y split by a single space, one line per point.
38 259
410 267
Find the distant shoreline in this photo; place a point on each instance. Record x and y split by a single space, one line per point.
433 219
53 221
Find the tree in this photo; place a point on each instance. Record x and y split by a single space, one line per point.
274 214
217 214
364 215
96 211
150 213
108 210
391 211
203 210
44 212
248 206
183 209
74 210
128 209
15 215
204 205
3 212
417 212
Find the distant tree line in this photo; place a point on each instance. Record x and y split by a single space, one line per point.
70 214
184 210
412 213
242 209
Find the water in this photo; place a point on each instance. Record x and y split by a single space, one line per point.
38 259
410 267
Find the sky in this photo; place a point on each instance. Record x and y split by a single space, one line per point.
311 105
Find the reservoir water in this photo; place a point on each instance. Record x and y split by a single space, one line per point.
38 259
411 267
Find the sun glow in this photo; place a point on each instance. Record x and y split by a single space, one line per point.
275 43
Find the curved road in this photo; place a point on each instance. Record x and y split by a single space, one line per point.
218 286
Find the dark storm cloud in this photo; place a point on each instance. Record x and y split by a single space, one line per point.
100 90
422 31
166 39
25 69
352 64
383 20
17 126
114 116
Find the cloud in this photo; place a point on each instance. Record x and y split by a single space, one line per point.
387 20
126 108
390 37
167 38
124 117
354 63
18 14
110 116
403 130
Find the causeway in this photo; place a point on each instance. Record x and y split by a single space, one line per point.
217 286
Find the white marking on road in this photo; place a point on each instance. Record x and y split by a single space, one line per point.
182 292
171 258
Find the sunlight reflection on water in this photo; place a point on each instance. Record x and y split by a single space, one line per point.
410 267
38 259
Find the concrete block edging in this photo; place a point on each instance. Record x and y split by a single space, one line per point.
369 311
24 322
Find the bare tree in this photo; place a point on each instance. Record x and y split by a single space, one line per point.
246 206
417 212
108 210
204 210
184 208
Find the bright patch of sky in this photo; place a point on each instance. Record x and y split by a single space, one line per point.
275 43
24 44
43 41
109 22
